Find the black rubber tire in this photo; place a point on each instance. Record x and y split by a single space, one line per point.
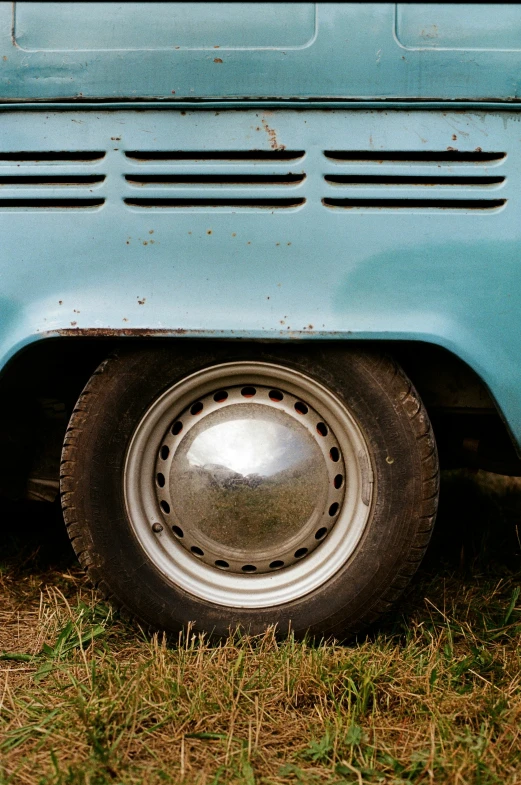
391 417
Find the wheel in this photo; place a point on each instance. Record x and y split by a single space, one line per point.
230 486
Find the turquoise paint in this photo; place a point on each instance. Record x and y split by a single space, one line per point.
366 77
328 50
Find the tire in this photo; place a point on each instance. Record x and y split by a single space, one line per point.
170 532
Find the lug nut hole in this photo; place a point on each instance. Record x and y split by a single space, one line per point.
178 531
249 568
197 551
334 454
222 564
219 397
334 509
321 533
197 408
301 408
248 392
165 452
165 507
322 428
177 427
300 553
276 395
160 480
337 482
277 564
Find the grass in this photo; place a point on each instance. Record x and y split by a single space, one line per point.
432 695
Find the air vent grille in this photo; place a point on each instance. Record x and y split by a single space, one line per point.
238 179
405 180
415 156
49 179
215 155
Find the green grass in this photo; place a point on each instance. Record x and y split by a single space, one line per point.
432 695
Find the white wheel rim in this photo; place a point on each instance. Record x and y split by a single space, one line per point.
155 529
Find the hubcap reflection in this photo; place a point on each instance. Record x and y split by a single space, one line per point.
250 479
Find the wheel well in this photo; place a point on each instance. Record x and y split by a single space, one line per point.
40 385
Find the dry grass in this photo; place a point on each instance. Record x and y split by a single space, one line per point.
433 695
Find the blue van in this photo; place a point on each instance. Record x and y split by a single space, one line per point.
260 277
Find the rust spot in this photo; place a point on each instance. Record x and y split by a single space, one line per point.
478 150
75 311
145 242
217 60
289 243
151 231
60 302
209 231
142 301
453 149
107 332
272 136
124 319
73 324
234 234
267 298
128 242
217 47
277 243
310 326
454 137
173 92
115 138
4 58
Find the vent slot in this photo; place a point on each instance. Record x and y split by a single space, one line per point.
215 202
216 155
413 156
408 204
50 203
71 180
36 156
216 179
377 179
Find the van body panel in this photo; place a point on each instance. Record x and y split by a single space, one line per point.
172 51
274 225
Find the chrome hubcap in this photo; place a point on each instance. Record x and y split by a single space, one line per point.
250 479
248 484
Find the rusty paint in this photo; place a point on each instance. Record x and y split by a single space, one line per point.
73 324
453 149
217 60
272 136
454 137
141 301
130 332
